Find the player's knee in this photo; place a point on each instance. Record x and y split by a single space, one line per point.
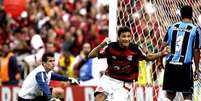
99 96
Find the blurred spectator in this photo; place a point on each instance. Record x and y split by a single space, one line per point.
3 35
65 64
38 50
77 44
3 18
88 71
82 65
9 67
51 36
68 42
20 44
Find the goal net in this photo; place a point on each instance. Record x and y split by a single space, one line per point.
148 20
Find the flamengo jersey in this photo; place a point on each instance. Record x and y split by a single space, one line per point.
122 63
182 38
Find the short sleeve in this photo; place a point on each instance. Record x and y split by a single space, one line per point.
141 53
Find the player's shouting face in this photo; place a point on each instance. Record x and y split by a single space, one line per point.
124 39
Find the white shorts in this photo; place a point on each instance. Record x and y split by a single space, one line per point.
115 90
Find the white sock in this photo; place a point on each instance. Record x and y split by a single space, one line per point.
166 99
187 100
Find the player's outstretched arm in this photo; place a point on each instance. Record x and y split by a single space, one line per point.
58 77
94 52
153 56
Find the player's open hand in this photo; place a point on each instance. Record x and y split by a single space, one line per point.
166 50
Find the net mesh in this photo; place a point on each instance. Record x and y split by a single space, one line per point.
148 21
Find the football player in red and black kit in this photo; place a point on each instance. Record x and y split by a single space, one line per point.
123 59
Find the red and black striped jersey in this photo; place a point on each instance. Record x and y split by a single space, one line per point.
123 63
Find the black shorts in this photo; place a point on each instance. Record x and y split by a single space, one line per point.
178 78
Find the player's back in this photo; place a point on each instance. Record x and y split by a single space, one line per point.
180 39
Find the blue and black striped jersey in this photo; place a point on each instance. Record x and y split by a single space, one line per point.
182 38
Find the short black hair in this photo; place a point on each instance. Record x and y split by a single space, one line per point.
46 55
123 29
186 12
